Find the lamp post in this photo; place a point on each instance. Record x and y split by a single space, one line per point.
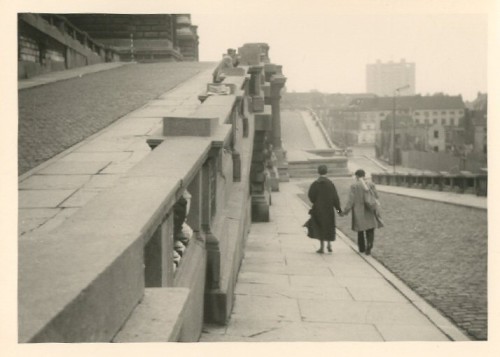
396 91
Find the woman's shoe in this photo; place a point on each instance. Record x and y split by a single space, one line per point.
320 251
329 248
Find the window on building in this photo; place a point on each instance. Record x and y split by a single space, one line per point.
443 121
436 148
417 121
460 112
426 113
434 113
436 134
381 114
434 121
452 112
426 121
417 113
443 112
452 121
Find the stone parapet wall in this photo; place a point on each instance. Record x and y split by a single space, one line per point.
117 26
115 271
49 43
120 245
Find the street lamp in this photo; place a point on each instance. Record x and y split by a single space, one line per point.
394 126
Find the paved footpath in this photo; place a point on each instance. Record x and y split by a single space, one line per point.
56 189
287 292
72 105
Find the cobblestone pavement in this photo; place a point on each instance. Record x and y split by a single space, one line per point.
439 250
57 116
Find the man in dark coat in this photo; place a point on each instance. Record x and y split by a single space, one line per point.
325 199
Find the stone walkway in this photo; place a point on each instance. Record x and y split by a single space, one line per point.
56 189
287 292
55 116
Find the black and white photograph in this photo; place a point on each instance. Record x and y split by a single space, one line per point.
191 176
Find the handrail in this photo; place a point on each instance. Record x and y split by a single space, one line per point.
463 182
322 129
32 19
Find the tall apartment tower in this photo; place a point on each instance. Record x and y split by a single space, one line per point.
383 78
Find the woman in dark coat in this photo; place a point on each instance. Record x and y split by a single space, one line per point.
325 199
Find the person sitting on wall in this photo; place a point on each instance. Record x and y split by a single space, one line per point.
234 56
226 62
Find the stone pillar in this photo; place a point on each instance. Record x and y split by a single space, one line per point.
158 256
255 88
194 219
270 69
277 83
259 178
212 242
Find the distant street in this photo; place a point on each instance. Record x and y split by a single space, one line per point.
294 131
57 116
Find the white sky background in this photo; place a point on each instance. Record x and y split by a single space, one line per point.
327 51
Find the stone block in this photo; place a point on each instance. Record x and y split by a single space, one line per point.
225 88
257 104
238 71
269 70
158 317
238 81
189 126
249 54
263 121
93 295
191 274
260 208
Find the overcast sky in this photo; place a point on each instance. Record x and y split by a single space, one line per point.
325 50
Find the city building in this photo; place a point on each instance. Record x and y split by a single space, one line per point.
55 42
383 79
443 110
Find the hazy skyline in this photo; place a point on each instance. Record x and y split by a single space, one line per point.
324 50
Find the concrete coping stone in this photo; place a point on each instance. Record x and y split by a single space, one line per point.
226 101
158 317
219 137
220 107
238 81
200 125
234 72
54 271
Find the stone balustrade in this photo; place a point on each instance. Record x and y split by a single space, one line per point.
110 271
49 42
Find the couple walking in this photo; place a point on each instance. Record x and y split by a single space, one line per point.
325 200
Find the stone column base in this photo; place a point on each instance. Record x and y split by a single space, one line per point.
282 165
284 176
260 207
